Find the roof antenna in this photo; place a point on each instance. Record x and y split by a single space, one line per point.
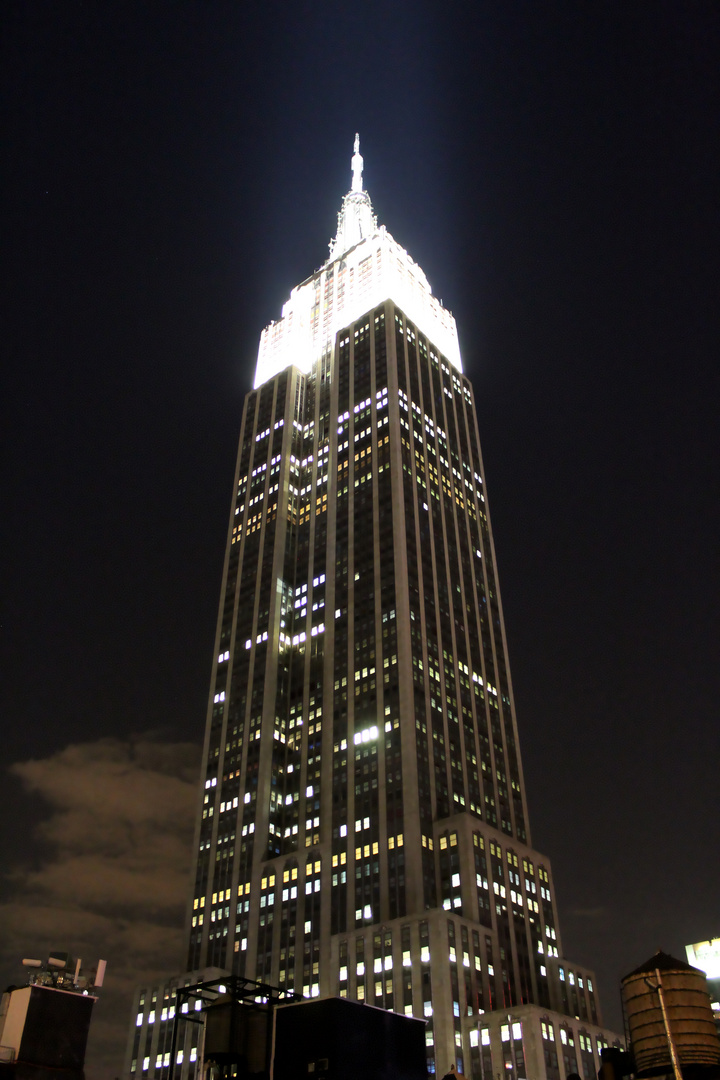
357 166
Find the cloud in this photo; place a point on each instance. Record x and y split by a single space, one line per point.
593 913
113 877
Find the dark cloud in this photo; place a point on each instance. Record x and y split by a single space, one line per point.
110 876
593 913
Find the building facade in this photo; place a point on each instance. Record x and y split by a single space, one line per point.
362 827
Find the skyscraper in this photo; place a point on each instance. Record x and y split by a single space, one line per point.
362 828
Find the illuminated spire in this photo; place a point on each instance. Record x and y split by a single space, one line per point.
356 220
357 166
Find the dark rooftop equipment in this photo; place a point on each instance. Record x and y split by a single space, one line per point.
236 1013
44 1026
47 1028
337 1039
254 1031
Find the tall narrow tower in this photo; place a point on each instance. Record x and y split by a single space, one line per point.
362 828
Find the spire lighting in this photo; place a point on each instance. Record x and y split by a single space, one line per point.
374 267
357 166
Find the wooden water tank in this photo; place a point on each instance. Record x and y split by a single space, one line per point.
689 1014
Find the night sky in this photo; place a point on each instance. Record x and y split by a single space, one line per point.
171 171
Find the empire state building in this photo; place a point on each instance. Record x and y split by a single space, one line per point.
362 828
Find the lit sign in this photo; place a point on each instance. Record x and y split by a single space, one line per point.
706 956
